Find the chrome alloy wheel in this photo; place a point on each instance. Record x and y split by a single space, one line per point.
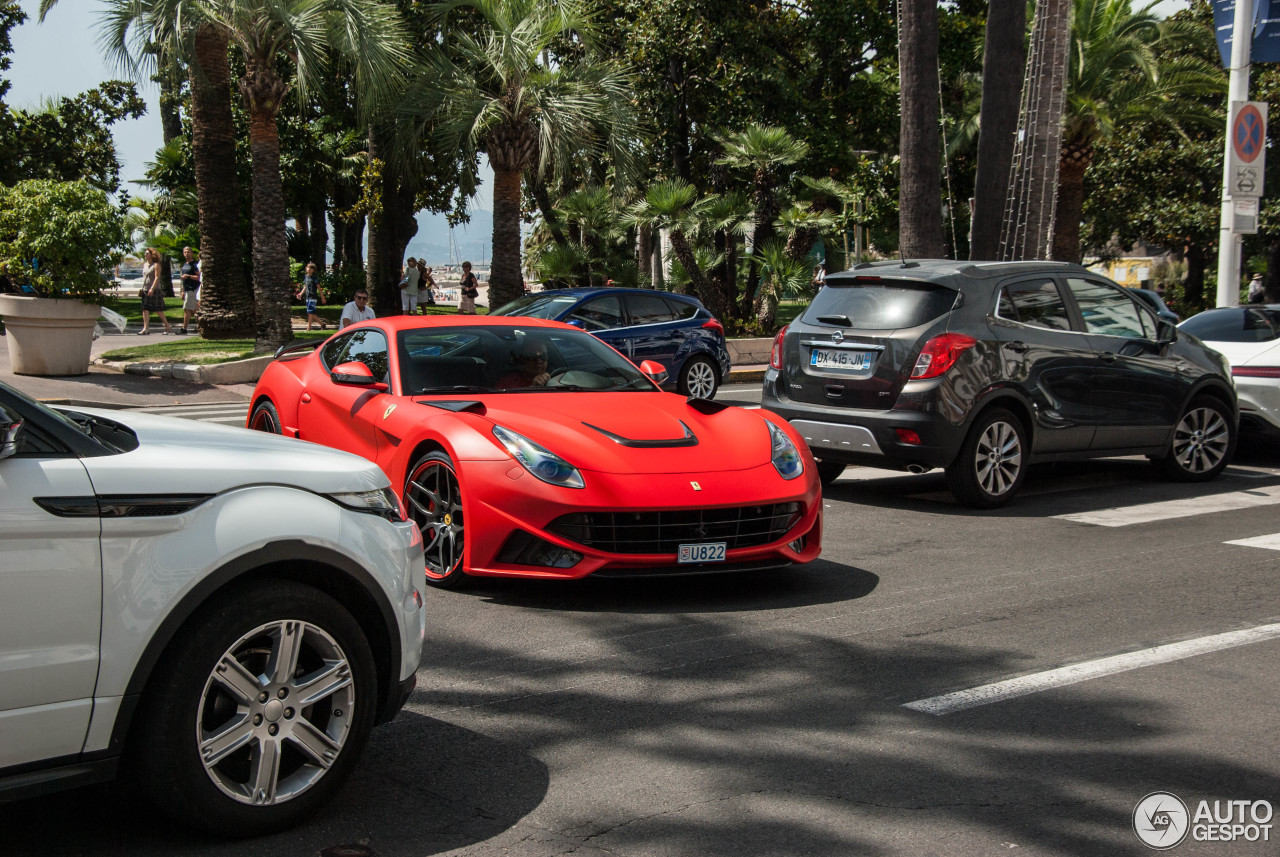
998 458
700 379
433 499
1201 440
275 712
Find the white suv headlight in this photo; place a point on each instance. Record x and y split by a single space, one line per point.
786 458
542 463
382 502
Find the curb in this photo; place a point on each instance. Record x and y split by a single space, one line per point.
236 372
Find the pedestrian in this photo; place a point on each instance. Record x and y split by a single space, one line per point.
311 294
426 288
409 287
469 291
819 276
1257 294
152 292
190 287
357 310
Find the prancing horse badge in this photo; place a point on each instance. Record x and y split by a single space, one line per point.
388 411
696 486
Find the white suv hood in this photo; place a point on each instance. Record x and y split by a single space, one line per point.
206 458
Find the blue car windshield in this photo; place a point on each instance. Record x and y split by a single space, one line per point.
511 358
537 306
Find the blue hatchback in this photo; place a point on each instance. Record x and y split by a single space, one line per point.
643 324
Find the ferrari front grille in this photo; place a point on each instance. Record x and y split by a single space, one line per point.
663 532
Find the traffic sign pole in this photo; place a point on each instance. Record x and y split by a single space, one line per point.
1237 90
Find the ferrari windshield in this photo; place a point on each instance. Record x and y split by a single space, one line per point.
544 305
490 359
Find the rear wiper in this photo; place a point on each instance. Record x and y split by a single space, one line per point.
842 320
456 388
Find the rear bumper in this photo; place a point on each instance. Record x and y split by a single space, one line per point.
867 437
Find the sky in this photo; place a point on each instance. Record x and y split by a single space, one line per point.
61 57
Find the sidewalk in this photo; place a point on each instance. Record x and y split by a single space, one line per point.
108 389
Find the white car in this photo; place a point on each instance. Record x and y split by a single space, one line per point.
1249 337
227 612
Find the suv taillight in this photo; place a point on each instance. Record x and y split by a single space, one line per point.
940 354
714 324
775 356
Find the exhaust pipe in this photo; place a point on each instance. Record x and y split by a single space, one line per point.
918 468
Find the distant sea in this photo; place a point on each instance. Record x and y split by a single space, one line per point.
472 242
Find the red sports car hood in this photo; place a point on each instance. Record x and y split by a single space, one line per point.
635 432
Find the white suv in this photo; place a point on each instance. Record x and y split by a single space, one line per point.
226 612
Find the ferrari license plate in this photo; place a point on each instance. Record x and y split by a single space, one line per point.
841 360
708 552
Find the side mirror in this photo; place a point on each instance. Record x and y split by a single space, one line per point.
356 374
9 430
1166 332
653 369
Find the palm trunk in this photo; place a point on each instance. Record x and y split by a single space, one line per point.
919 199
504 273
389 235
1070 205
354 255
702 287
548 212
263 91
1193 286
644 254
226 299
765 213
1003 60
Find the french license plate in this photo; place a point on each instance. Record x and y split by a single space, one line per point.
840 360
708 552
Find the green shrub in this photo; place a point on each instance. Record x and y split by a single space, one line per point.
59 237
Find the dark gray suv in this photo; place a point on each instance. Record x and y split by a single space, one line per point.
984 368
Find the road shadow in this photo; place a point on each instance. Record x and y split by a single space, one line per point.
423 786
818 582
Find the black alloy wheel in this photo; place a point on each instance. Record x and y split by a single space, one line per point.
433 500
265 418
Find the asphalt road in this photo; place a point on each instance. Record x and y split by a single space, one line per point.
764 714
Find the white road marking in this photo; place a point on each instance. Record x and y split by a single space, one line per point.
1124 516
1271 542
1075 673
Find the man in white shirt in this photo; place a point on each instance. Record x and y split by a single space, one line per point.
409 287
357 310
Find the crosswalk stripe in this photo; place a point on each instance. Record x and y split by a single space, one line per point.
1124 516
1075 673
1271 542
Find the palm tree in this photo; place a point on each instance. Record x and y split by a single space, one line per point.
673 206
1115 79
919 201
137 36
763 150
784 277
494 89
1003 61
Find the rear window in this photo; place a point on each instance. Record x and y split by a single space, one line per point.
869 303
1235 325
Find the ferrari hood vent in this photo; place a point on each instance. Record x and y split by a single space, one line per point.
689 439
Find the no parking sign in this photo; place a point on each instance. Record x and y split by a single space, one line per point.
1248 130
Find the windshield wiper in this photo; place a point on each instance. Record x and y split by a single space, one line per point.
456 388
842 320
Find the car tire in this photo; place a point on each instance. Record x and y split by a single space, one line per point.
992 461
265 417
698 379
218 706
828 471
433 501
1204 440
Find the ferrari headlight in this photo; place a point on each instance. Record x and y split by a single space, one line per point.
542 463
786 458
381 502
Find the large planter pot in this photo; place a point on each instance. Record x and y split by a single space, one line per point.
48 336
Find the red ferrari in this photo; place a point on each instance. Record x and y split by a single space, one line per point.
529 448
